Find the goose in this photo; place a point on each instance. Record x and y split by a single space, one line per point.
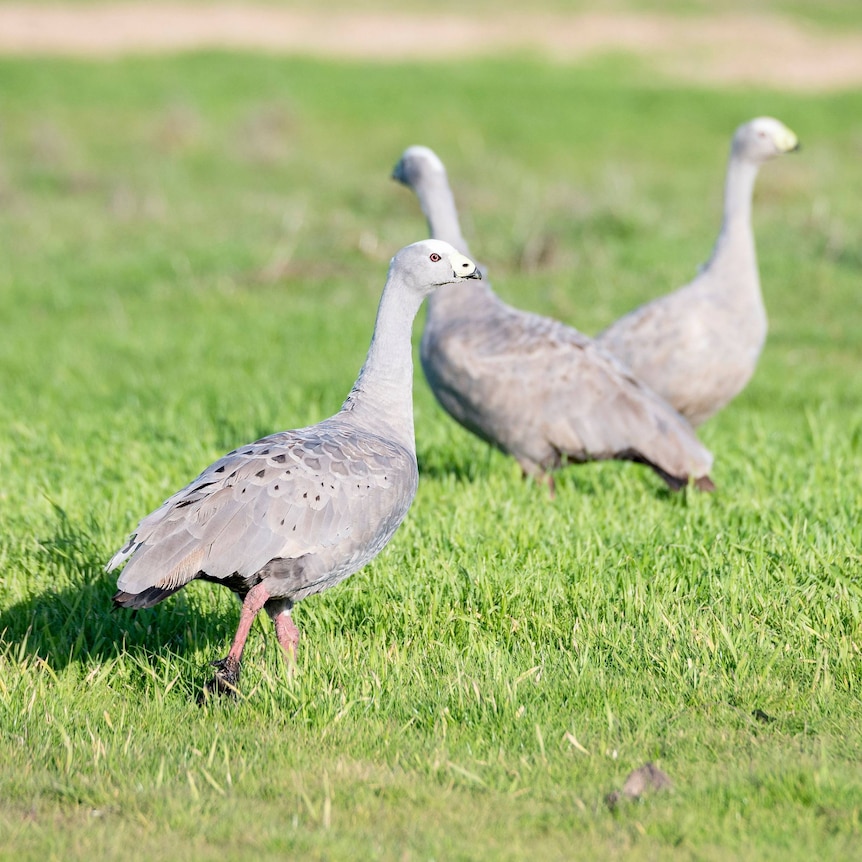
529 385
698 346
296 512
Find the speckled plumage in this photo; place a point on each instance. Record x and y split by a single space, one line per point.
322 500
531 386
699 345
296 512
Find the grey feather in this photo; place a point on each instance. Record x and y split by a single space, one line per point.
698 346
300 510
539 390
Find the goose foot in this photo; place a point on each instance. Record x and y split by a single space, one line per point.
225 681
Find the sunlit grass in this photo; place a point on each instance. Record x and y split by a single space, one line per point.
193 250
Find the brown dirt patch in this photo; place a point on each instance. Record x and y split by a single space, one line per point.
766 50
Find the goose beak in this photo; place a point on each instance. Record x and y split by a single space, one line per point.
787 141
463 267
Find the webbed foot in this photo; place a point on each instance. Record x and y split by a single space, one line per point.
225 681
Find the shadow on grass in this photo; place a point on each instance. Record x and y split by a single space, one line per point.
77 623
585 480
474 464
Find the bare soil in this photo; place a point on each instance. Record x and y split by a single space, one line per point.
766 50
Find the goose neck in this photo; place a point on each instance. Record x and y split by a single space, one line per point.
438 205
383 392
735 242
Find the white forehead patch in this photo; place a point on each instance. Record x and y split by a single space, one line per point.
427 155
783 138
438 245
769 125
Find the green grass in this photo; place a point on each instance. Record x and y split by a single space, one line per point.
192 254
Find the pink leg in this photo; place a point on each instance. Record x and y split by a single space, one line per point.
287 634
227 675
704 483
541 476
546 479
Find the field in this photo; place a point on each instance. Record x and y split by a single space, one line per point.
193 248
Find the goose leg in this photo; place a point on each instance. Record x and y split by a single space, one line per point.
227 669
546 479
285 628
287 634
530 469
704 483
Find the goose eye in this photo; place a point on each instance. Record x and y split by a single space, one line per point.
434 256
